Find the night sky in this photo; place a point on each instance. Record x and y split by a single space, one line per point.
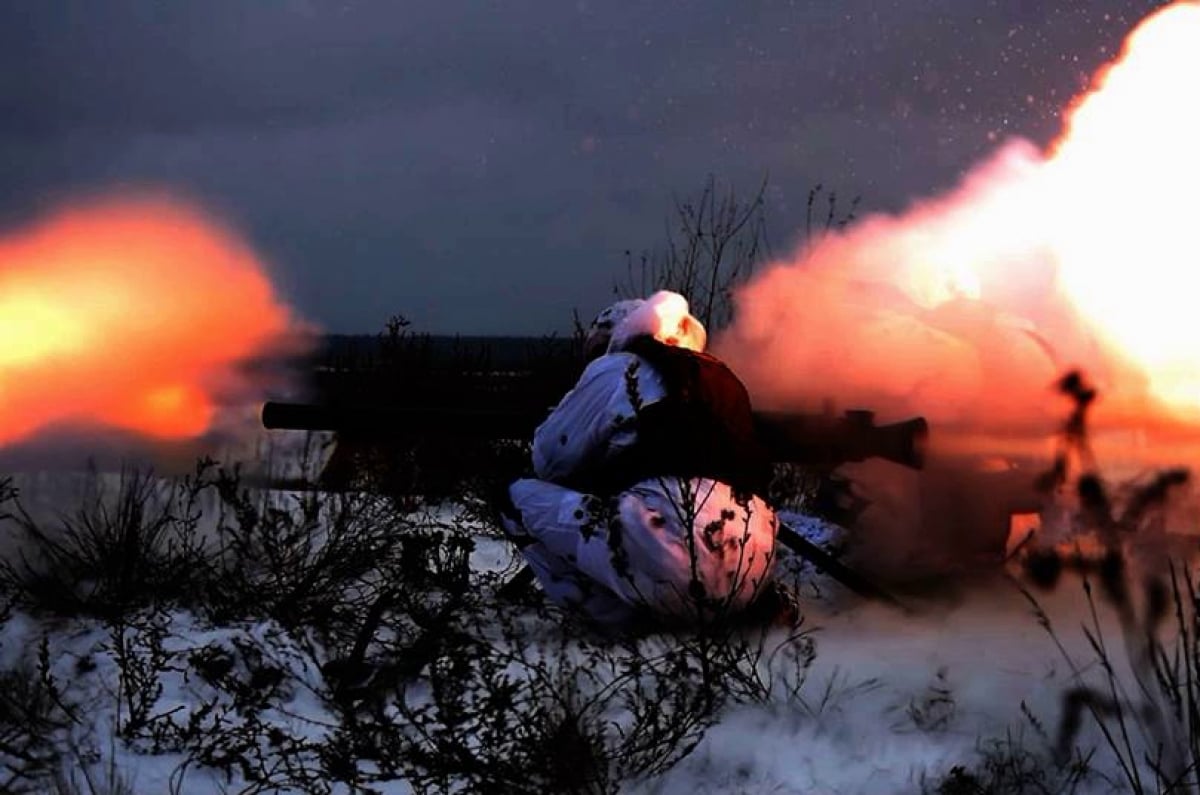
481 167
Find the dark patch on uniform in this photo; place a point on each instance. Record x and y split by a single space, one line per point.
616 548
632 391
594 514
713 535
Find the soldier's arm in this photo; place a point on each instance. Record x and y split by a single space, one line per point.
594 421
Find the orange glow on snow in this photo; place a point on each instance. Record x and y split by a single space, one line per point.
132 314
967 307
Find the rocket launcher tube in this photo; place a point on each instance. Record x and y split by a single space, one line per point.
819 440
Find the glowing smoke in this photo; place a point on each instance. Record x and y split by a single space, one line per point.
966 307
133 314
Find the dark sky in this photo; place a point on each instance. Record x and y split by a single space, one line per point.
481 167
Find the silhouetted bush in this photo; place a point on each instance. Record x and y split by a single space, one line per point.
114 552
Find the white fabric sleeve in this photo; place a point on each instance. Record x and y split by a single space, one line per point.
594 420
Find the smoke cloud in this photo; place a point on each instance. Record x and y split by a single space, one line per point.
967 307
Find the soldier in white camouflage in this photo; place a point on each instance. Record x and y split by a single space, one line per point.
648 500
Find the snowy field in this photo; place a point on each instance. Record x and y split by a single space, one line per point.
964 690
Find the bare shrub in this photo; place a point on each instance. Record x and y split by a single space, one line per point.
90 773
33 715
313 559
519 701
714 242
113 553
1008 767
1150 725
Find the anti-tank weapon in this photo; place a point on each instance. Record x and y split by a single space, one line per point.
819 441
814 440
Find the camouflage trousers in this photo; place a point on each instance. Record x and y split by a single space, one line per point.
677 548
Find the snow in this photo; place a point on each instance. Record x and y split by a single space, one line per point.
907 700
854 730
891 704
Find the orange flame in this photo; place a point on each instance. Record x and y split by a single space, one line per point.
132 314
967 307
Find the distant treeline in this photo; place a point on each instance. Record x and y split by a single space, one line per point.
497 353
409 369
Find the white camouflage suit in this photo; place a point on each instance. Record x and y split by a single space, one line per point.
675 548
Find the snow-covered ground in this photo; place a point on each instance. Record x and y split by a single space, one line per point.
892 703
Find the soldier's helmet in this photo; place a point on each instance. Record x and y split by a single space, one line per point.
666 317
600 332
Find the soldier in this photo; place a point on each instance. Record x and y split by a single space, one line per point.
648 500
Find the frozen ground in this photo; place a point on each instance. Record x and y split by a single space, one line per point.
891 704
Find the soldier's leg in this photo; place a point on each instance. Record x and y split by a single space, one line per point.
694 548
553 534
